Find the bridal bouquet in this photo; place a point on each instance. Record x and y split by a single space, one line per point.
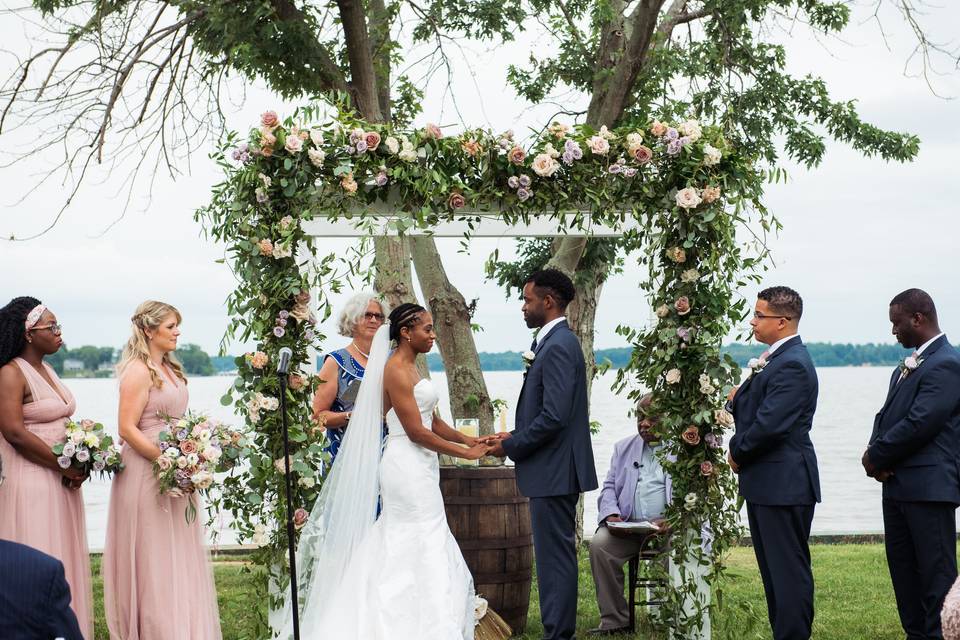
89 449
193 449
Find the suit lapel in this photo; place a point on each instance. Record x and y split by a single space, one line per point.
553 330
753 374
898 384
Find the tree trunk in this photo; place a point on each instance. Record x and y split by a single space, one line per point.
394 280
363 77
451 320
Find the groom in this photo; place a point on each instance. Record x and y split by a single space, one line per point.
551 446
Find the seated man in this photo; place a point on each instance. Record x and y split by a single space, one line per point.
34 595
635 489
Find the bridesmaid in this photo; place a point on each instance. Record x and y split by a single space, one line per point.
40 504
158 582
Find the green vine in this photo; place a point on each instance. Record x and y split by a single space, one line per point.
681 192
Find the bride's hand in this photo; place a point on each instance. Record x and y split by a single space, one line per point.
475 452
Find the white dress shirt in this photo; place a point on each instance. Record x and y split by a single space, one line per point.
779 343
545 329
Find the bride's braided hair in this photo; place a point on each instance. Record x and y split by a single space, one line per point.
406 315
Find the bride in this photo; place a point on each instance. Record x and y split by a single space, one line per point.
400 576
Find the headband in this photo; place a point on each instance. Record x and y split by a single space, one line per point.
33 317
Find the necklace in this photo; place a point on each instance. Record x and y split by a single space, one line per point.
354 345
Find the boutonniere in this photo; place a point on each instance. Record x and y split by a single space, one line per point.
756 365
909 364
528 358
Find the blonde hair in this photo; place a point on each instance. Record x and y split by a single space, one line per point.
149 315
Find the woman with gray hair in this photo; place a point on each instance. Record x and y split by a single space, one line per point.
343 369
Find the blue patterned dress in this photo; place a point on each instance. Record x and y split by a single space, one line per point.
348 371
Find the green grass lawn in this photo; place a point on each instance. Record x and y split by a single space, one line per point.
854 599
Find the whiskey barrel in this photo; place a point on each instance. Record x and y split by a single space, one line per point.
491 522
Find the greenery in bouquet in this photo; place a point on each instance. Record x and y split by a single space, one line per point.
88 448
193 449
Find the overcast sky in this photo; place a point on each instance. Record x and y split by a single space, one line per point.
856 230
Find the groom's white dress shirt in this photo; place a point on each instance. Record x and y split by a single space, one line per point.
779 343
545 329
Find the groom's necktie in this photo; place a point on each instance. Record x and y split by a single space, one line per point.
533 345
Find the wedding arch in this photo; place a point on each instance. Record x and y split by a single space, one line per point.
682 192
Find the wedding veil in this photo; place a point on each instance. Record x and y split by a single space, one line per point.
347 506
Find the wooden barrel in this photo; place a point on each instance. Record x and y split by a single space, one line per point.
491 522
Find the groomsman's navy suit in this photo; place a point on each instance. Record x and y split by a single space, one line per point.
915 436
34 596
554 461
779 480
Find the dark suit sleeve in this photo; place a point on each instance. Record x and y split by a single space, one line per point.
60 618
935 402
786 394
559 383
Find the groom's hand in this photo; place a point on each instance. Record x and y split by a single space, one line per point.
497 449
868 465
733 465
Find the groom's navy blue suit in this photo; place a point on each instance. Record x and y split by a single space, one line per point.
34 596
915 435
780 481
554 461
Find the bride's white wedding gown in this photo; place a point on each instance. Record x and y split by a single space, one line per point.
408 579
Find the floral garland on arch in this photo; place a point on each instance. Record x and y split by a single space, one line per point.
681 191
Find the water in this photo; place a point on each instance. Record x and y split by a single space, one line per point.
849 398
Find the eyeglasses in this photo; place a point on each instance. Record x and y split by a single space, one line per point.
760 316
370 315
56 328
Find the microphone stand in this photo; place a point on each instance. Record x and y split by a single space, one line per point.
290 530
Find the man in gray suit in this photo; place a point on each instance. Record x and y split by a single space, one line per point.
551 446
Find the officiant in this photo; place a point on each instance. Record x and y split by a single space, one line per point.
343 369
636 489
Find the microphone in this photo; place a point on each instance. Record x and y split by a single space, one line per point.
284 363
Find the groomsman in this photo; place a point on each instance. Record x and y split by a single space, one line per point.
773 454
913 452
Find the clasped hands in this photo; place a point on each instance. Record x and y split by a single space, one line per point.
879 475
492 443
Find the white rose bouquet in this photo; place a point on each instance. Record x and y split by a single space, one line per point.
193 449
88 448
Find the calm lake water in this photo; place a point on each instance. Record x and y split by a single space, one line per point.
849 398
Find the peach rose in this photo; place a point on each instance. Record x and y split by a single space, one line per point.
599 145
269 119
266 151
456 200
516 155
682 305
372 138
662 311
471 147
658 128
677 254
303 297
266 247
544 165
691 435
723 417
164 463
348 183
710 194
259 360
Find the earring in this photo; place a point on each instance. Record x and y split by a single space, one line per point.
408 339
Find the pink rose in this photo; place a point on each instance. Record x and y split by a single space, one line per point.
691 435
642 154
266 151
706 468
658 128
516 155
682 305
599 145
303 297
432 131
266 247
456 200
372 138
164 463
300 518
293 144
187 447
688 198
296 382
269 119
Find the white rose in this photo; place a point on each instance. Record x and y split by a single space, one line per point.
711 155
266 182
282 250
673 376
544 165
293 144
690 500
212 454
392 145
408 155
193 459
307 482
723 417
317 156
182 462
599 145
910 363
606 134
550 151
634 140
77 437
688 198
316 136
691 129
662 311
690 275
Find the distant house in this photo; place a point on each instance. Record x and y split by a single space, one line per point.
73 365
106 366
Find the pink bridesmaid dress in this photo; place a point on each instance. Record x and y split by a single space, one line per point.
35 508
157 577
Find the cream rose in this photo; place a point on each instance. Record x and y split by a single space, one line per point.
392 145
545 166
690 275
599 145
688 198
662 311
317 156
711 155
723 417
673 376
691 129
293 144
316 136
